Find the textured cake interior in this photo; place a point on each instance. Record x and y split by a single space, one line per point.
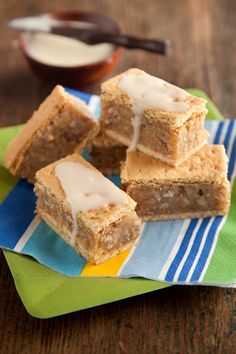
156 138
107 159
95 247
157 201
65 134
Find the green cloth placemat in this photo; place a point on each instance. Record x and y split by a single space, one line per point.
46 293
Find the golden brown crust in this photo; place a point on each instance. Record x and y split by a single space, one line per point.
94 258
157 155
48 109
191 215
197 188
111 92
208 164
103 232
108 171
46 179
47 112
46 175
102 258
168 136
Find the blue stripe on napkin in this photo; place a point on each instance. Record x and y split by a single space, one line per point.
207 248
182 249
153 249
82 95
16 213
195 247
48 248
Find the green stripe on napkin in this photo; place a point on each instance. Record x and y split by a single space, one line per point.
222 265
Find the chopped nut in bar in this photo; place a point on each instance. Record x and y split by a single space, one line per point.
86 209
63 124
150 115
197 188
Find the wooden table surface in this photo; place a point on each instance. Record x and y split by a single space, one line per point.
174 320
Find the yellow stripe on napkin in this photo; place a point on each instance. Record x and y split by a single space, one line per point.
108 268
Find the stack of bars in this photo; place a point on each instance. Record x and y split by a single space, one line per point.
87 210
169 170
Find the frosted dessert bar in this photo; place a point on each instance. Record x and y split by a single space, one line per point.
107 154
197 188
86 209
62 125
153 116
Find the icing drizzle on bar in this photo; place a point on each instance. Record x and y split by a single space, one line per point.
85 190
148 92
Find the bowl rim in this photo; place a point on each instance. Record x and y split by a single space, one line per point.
55 14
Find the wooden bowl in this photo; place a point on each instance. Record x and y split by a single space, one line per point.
81 75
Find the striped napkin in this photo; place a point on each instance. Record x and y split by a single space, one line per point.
191 251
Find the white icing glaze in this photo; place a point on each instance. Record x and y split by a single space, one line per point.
62 51
148 92
85 190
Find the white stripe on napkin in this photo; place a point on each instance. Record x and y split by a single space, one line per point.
188 250
175 249
27 234
132 251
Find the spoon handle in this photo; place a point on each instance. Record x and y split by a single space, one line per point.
131 42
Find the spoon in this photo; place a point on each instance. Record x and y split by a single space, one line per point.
88 33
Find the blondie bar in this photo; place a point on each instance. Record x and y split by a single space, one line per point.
153 116
197 188
62 125
86 209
